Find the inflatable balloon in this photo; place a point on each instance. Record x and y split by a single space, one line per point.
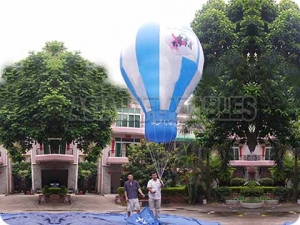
162 66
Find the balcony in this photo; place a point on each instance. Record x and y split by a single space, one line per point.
129 130
117 157
253 160
67 156
1 160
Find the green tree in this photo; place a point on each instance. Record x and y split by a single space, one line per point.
86 170
22 170
148 157
246 86
55 93
189 162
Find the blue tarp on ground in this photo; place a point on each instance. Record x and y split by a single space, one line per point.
145 217
79 218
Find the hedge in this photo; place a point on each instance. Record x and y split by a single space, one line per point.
220 194
266 182
252 192
237 182
283 193
48 191
167 191
265 189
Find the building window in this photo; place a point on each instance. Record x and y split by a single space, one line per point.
122 145
235 153
129 117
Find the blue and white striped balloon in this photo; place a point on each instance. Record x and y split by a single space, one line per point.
162 66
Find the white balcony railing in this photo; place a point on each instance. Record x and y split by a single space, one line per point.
117 157
54 156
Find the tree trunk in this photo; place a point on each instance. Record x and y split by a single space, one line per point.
295 183
208 176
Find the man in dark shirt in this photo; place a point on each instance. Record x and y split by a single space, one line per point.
131 189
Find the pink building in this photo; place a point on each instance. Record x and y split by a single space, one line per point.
59 164
128 129
252 166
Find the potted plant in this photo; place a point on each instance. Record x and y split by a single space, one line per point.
252 203
268 200
54 194
233 199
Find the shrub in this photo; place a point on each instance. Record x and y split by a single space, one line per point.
173 191
252 200
283 193
266 182
252 183
239 198
265 190
221 193
252 192
61 191
237 182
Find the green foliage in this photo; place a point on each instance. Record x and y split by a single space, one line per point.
120 190
56 93
251 183
221 193
251 192
284 194
48 191
239 198
252 199
251 50
174 191
284 171
142 165
87 170
22 170
265 190
237 182
266 182
191 164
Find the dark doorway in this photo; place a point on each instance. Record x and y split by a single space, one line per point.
115 181
55 176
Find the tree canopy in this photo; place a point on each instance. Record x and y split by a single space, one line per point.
55 93
251 74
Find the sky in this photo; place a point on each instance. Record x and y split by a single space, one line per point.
97 28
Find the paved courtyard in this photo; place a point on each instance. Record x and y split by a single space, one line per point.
97 203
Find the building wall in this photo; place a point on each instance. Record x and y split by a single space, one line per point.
72 172
106 179
3 155
3 179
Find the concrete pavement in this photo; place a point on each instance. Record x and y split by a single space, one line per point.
96 203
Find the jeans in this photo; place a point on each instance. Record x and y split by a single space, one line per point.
154 205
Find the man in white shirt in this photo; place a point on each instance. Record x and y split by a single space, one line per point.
154 187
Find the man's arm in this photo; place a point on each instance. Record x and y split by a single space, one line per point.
125 193
140 190
161 183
